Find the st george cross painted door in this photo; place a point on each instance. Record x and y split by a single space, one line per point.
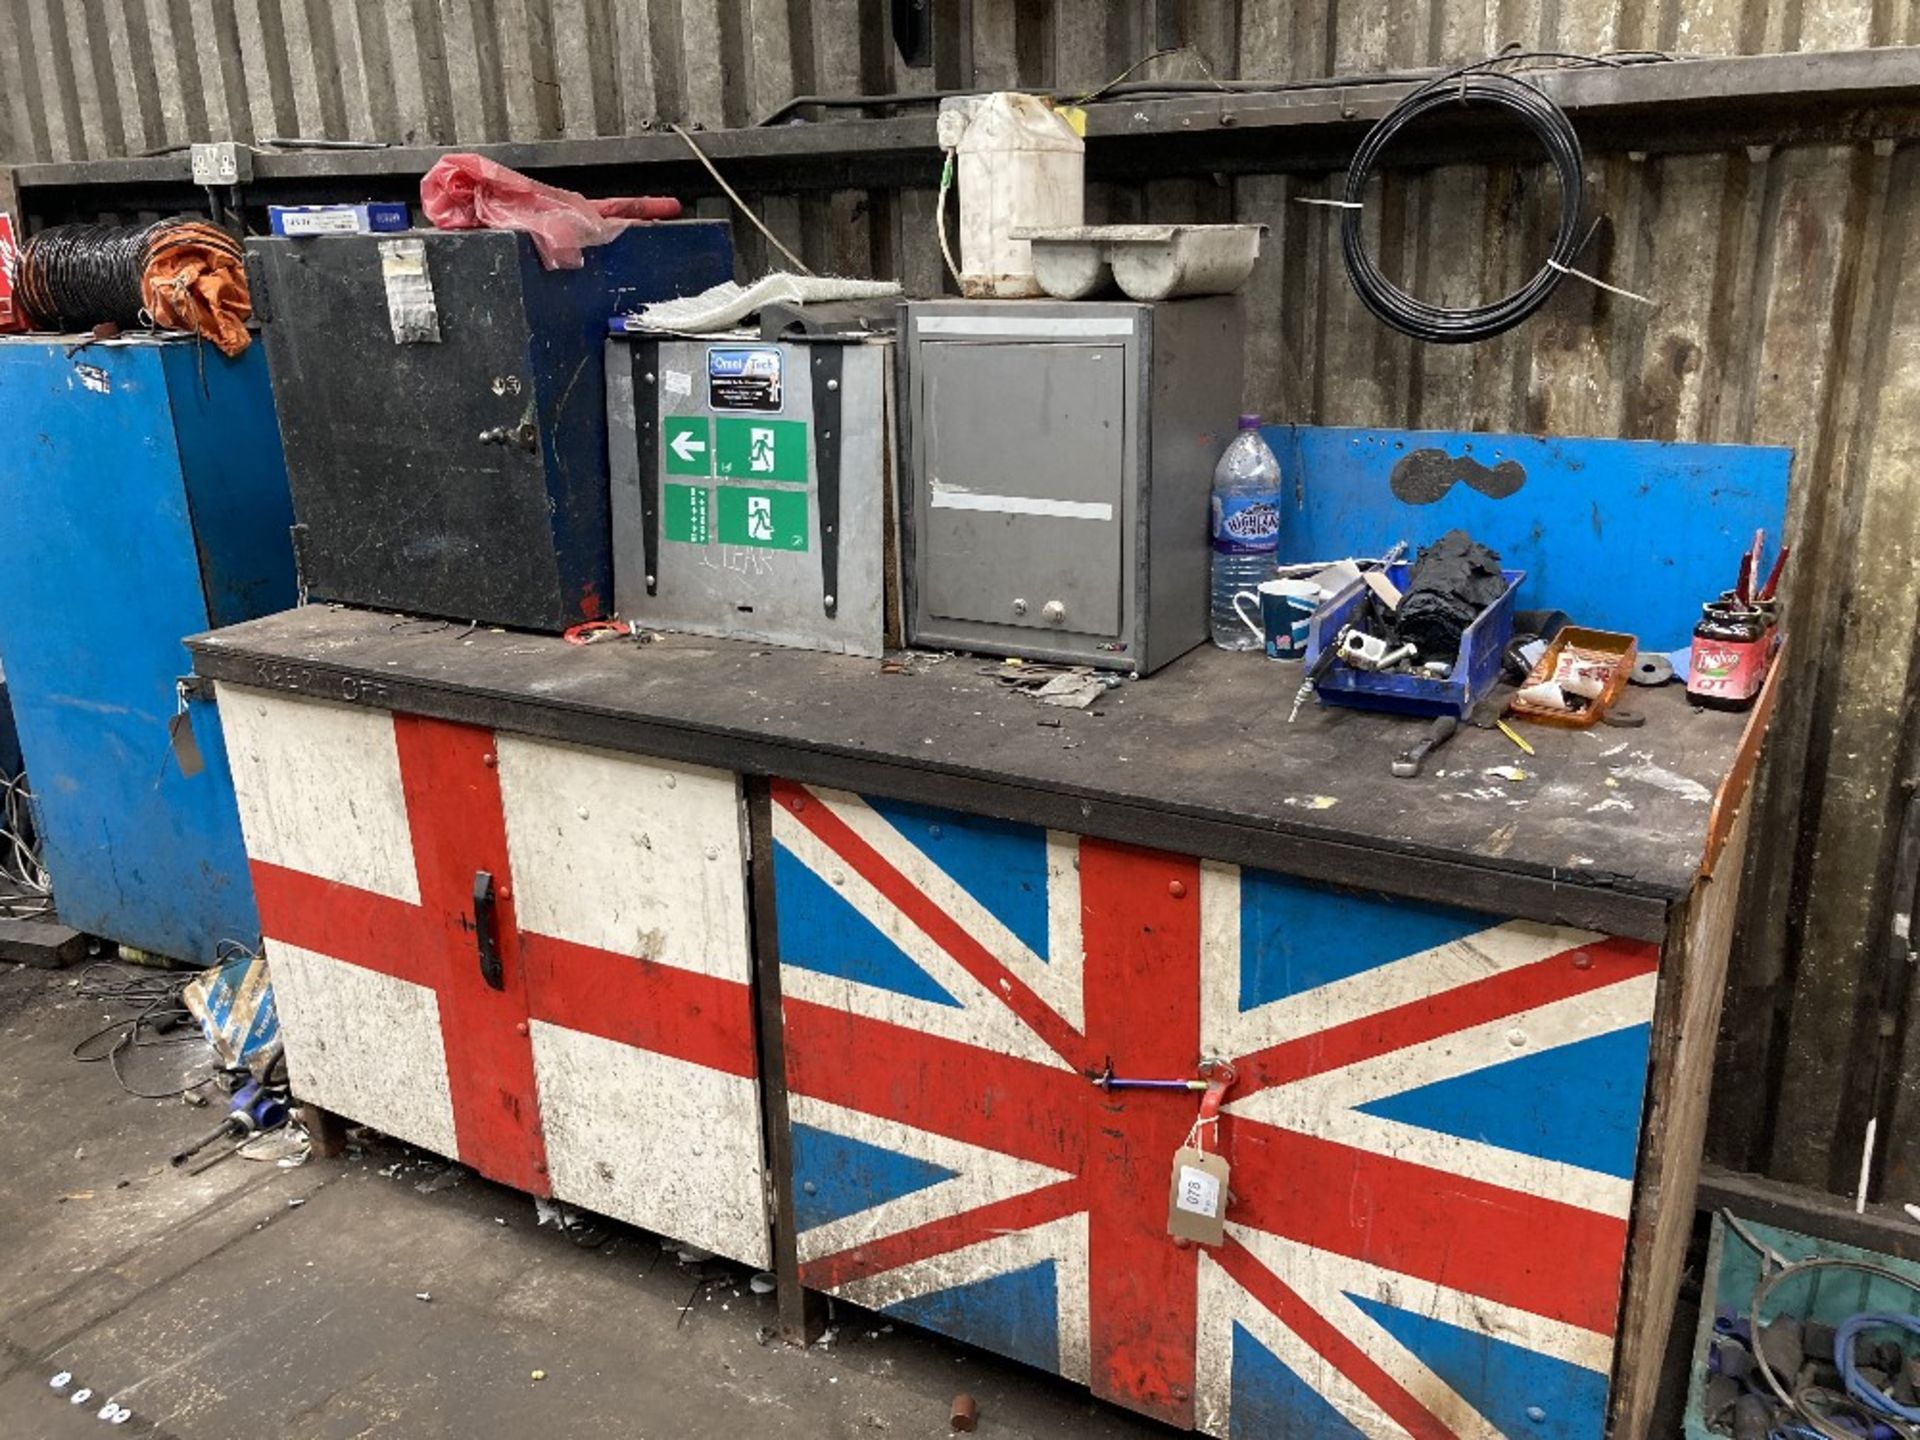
527 955
1431 1128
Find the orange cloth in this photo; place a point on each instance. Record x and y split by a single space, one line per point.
195 280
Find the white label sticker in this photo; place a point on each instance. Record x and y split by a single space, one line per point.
677 382
1199 1192
411 309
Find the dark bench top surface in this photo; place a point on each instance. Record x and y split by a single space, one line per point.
1198 756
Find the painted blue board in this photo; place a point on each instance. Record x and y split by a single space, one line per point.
143 498
1629 535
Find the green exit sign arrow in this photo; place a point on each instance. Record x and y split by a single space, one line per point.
688 449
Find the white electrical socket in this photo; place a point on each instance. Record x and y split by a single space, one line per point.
225 162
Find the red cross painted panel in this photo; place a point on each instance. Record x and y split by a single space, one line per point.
1431 1128
608 1058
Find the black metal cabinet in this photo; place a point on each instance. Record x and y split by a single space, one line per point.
443 403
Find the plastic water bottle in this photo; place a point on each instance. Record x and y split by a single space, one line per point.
1246 529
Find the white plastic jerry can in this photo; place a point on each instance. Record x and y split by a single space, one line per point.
1020 164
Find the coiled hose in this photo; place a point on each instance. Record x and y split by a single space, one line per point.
1441 324
73 277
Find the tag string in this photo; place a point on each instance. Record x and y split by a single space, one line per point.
1219 1076
1595 280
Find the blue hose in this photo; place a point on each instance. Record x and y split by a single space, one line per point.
1863 1393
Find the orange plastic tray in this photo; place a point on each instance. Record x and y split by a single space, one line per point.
1623 648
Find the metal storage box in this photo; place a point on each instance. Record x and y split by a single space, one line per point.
1061 457
460 469
752 489
142 499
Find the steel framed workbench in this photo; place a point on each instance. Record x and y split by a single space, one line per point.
808 960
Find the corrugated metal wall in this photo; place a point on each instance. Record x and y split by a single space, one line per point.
88 78
1780 318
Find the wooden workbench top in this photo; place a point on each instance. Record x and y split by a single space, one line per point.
1609 827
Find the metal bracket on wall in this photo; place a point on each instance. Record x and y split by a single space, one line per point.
646 422
828 363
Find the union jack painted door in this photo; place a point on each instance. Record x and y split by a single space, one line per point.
1431 1129
613 1064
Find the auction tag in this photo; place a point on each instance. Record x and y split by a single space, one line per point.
186 749
1197 1208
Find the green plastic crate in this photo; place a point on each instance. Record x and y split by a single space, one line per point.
1733 1270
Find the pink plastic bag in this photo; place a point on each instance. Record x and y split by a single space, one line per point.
471 192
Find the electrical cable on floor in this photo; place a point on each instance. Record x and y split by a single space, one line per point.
1473 85
26 890
159 1007
741 205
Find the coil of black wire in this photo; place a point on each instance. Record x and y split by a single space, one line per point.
72 277
1441 324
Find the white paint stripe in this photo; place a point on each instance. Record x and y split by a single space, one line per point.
1222 1302
654 1140
1471 1159
1305 1268
1324 1105
1057 983
1416 977
1462 1052
945 499
1063 984
982 1019
636 857
1325 1281
989 327
318 786
1317 1286
1223 1030
983 1176
364 1045
1064 1241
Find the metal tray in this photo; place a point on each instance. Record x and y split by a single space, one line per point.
1148 262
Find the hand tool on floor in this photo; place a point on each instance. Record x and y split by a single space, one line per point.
253 1108
1407 764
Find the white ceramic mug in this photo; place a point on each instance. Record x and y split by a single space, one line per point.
1286 612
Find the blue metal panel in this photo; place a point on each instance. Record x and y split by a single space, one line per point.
112 455
236 477
1621 534
567 313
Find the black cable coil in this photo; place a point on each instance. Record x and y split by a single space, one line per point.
72 277
1442 324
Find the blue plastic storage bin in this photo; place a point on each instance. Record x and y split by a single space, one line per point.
1474 671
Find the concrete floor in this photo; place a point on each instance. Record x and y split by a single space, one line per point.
254 1301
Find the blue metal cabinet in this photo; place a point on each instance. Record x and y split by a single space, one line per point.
143 498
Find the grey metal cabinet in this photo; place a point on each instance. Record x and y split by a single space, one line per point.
1059 458
753 489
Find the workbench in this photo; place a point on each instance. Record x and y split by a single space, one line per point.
809 959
